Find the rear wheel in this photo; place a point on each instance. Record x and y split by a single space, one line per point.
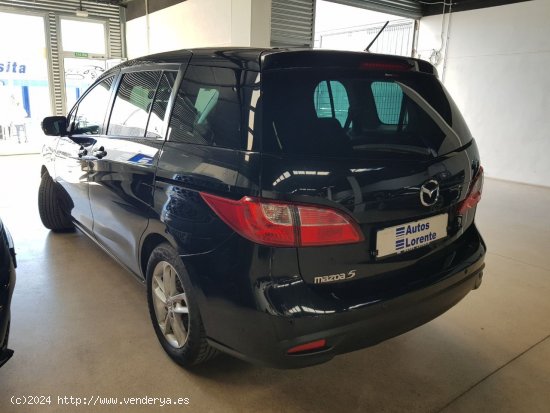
50 207
173 309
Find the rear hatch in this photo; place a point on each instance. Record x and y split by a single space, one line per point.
377 138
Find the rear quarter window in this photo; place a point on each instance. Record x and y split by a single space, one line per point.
208 108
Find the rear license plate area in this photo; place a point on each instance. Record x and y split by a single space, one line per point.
411 235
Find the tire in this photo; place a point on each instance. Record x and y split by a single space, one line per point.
6 337
50 207
176 318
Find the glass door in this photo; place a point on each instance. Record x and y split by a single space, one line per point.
80 73
84 51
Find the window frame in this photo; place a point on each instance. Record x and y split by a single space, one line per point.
164 129
116 95
76 106
65 52
179 68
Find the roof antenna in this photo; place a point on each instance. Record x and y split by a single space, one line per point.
376 37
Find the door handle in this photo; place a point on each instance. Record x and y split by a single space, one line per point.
100 153
82 152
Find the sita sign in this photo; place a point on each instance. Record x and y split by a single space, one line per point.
13 67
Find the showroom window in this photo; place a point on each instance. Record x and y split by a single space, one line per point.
24 80
91 110
83 35
133 103
207 110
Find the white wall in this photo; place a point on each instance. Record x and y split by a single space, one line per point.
201 23
498 71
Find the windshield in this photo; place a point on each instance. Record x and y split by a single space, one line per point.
355 113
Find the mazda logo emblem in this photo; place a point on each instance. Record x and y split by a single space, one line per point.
429 193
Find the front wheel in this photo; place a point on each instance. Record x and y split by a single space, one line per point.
50 207
174 312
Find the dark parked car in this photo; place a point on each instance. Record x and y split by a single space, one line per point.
7 283
282 206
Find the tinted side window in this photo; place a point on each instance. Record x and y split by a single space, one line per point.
90 114
331 101
207 109
133 103
388 97
156 118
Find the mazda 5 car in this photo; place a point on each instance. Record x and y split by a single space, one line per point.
281 206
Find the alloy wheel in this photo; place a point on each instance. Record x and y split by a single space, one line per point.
170 304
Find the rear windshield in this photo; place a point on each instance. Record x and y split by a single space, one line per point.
354 113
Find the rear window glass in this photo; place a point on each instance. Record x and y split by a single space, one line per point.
331 101
354 113
388 98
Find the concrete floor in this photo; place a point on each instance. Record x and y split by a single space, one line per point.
81 328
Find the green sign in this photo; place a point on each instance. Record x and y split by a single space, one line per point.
80 54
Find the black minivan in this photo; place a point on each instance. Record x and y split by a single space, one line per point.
282 206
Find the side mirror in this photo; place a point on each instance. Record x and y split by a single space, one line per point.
55 126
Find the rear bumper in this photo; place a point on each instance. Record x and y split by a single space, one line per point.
291 313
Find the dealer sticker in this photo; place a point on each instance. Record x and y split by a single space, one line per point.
411 235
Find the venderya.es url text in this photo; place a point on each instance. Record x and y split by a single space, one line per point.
95 400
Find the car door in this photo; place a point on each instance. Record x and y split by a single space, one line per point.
86 125
123 163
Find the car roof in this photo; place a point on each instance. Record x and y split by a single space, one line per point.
250 58
245 57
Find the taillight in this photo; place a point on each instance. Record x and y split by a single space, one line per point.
284 224
474 193
320 226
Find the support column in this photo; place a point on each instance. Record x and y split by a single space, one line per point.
55 75
251 23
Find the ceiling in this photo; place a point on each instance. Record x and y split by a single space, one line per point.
461 5
425 7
